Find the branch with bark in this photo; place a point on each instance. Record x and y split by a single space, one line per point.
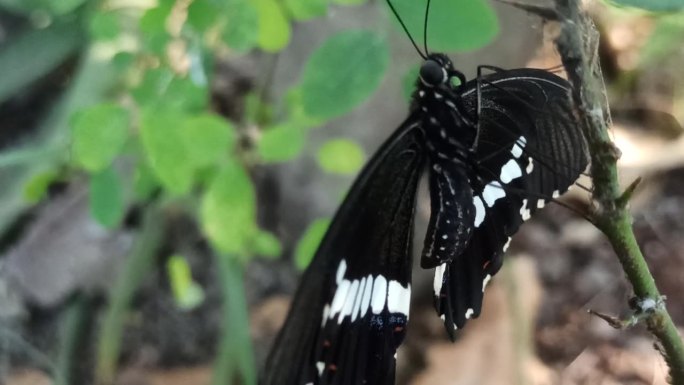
577 44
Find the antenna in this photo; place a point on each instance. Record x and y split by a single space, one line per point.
396 14
425 27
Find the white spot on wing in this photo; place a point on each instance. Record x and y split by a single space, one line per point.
379 294
349 301
492 192
398 298
518 146
469 313
365 302
510 171
540 204
326 312
320 365
341 269
530 166
524 211
508 243
485 281
439 278
555 194
479 211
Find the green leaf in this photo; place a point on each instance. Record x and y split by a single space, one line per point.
228 210
36 187
343 72
653 5
408 82
161 87
104 26
463 25
308 243
207 138
106 200
266 244
177 145
183 93
242 27
340 156
153 27
165 149
274 28
187 293
99 134
349 2
297 114
153 85
123 62
306 9
202 15
281 143
144 181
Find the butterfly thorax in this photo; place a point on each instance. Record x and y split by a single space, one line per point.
449 129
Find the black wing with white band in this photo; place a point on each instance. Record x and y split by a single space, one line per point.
349 315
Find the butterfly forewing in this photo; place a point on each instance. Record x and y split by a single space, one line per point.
350 313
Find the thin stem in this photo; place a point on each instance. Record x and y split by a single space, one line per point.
577 45
71 337
136 267
235 354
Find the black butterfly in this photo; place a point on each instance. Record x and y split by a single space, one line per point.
497 149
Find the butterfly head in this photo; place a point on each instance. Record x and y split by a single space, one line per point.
436 70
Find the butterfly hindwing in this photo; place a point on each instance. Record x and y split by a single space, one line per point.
529 150
350 313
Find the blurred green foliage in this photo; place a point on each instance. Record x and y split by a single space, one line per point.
653 5
306 248
341 156
187 293
136 119
463 25
664 42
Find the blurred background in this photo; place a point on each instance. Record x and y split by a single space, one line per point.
167 169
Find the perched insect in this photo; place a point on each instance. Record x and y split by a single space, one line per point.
497 149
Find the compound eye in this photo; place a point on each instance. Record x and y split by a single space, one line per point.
431 73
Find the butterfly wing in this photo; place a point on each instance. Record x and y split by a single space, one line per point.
350 311
530 148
